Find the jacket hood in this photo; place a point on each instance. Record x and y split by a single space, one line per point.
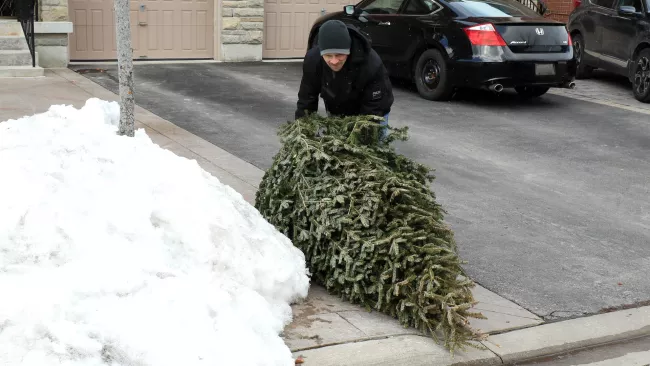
360 45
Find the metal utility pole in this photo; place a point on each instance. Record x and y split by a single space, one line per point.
125 66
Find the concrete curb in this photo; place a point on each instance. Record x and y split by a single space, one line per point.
506 348
609 103
404 350
570 335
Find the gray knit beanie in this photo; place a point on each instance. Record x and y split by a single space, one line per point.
334 37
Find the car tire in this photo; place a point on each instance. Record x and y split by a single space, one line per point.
531 91
641 77
431 76
583 71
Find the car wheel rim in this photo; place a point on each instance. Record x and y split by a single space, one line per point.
642 76
431 74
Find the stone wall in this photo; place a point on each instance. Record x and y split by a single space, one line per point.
51 33
53 10
52 50
242 28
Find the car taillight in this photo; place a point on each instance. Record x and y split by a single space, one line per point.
484 35
570 40
576 3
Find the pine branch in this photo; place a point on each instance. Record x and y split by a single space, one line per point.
369 224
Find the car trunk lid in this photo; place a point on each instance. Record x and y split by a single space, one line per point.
534 37
530 35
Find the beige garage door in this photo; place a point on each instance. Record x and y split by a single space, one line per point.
287 24
160 29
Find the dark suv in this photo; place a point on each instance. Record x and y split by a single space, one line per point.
613 35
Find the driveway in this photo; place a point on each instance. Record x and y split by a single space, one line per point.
549 199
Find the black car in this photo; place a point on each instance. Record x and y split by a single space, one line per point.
613 35
448 44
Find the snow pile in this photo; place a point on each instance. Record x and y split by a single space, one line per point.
116 252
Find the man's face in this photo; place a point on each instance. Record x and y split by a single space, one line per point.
335 60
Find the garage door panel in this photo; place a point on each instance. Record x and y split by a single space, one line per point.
313 16
186 30
153 33
285 31
167 30
159 29
201 36
93 32
96 19
270 31
80 42
299 26
287 25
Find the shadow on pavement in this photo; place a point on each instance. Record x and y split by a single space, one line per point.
481 98
611 79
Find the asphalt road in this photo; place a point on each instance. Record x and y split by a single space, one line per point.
549 199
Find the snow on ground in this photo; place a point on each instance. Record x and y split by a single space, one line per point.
114 251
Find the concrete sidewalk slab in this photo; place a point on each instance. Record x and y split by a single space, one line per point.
502 315
376 324
320 330
408 350
314 316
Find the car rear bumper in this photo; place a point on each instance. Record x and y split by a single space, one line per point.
513 73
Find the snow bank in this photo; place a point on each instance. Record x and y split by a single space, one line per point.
116 252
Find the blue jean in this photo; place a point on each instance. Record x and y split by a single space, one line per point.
384 131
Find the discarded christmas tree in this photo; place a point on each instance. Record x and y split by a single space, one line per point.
369 224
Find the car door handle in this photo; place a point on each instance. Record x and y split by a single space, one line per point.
384 23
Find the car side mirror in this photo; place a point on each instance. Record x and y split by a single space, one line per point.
353 11
627 10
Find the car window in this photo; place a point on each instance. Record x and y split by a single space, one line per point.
604 3
635 3
420 7
491 8
382 6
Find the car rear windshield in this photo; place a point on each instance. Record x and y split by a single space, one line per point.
491 8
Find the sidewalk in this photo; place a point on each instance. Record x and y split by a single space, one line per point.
605 89
326 330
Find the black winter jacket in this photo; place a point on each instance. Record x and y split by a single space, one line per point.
362 87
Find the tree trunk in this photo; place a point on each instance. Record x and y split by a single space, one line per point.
125 66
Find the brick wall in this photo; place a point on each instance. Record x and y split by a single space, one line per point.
559 9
